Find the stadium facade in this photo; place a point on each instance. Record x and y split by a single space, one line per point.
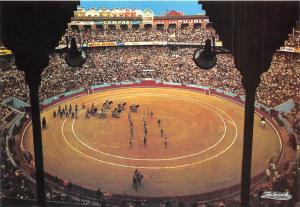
130 17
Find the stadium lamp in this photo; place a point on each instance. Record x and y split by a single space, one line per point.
205 58
75 57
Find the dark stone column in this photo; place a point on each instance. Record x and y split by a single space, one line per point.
37 141
250 87
34 65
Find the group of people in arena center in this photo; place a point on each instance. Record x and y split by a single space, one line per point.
67 112
146 119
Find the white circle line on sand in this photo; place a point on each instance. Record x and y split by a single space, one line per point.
261 115
159 159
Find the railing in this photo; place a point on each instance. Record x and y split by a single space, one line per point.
51 100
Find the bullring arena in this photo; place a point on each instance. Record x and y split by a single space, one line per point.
202 156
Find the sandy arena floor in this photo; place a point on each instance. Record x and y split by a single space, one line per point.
204 143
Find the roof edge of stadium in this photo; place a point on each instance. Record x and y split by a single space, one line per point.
85 18
104 18
202 16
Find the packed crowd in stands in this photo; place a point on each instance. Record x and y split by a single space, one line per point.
282 80
294 38
6 63
113 64
168 64
293 41
13 182
186 34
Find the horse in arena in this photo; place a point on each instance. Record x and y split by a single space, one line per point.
102 113
134 108
121 106
263 121
93 111
116 113
107 104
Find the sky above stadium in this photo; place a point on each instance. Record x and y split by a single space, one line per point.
189 7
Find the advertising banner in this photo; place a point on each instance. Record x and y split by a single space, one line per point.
5 52
117 22
82 22
136 22
219 43
120 44
287 49
177 21
101 44
63 46
145 43
185 43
